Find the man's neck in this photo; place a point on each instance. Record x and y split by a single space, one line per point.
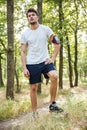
34 26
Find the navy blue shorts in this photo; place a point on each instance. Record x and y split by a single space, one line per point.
37 70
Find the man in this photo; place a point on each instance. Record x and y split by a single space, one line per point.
38 61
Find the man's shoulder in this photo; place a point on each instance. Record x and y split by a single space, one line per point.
43 26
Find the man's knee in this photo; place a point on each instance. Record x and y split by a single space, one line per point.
53 75
34 88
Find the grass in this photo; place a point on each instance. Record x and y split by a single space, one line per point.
74 116
21 103
11 109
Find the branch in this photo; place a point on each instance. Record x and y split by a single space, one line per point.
3 44
83 6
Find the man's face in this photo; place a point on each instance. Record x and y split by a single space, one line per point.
32 18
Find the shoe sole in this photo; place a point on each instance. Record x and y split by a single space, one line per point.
56 111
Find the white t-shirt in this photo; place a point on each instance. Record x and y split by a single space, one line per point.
37 43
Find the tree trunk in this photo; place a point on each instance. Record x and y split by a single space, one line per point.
10 50
1 80
69 62
76 45
39 6
18 89
69 58
75 63
61 48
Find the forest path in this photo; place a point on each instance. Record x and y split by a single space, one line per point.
25 120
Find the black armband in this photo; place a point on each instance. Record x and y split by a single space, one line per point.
55 40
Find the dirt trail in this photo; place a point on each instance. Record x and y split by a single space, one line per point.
21 122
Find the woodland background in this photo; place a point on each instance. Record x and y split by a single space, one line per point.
68 20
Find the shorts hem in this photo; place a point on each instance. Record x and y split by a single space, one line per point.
35 82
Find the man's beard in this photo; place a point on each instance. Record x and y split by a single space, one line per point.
33 23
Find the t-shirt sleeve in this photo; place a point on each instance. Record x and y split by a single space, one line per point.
23 39
49 31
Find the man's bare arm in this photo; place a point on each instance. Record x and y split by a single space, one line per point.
56 43
23 58
23 55
56 51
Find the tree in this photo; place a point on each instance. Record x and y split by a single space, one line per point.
61 48
1 80
10 50
2 41
76 46
39 8
1 57
69 61
68 51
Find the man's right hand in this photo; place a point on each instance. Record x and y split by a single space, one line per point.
26 73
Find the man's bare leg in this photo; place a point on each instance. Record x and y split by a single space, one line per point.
53 87
33 96
53 90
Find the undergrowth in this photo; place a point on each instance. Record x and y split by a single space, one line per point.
11 109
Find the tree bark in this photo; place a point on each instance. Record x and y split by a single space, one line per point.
1 80
76 46
69 57
76 60
10 50
61 48
69 62
18 89
39 7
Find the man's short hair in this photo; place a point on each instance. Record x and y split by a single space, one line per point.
31 10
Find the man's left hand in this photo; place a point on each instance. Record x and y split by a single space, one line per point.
49 60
